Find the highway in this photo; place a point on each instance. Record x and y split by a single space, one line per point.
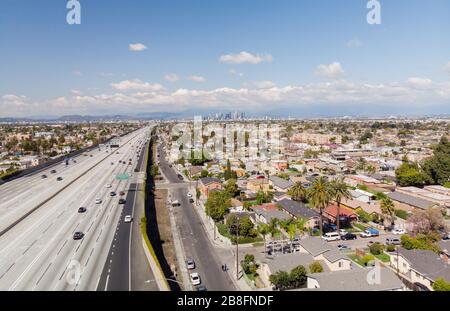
196 244
39 252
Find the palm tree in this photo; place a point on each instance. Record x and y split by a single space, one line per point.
320 196
388 208
273 227
263 229
297 192
339 191
291 230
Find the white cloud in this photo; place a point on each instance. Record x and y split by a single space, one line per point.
199 79
354 43
75 92
419 82
77 73
245 58
261 84
172 77
333 70
338 93
136 85
137 47
447 67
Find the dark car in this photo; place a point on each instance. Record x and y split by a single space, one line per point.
112 193
191 200
201 288
59 178
78 235
349 236
44 176
180 177
82 210
122 193
53 171
122 201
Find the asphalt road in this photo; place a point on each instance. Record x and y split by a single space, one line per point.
196 244
39 252
125 249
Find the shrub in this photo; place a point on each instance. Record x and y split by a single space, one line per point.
376 248
315 267
390 248
367 259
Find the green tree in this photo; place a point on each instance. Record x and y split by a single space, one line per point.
319 195
339 191
263 229
231 188
437 168
297 277
409 174
280 279
388 208
217 205
440 285
298 192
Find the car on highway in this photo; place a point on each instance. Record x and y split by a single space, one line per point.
82 210
122 201
44 176
191 200
331 236
121 193
78 235
59 178
195 278
53 171
98 201
398 231
91 156
176 203
348 236
393 241
128 218
180 177
112 194
108 186
189 195
190 264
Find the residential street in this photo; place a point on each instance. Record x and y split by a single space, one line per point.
195 242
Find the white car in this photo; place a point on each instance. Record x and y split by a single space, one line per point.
108 186
342 232
128 218
398 231
195 279
331 236
98 201
189 195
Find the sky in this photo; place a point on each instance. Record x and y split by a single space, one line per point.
290 57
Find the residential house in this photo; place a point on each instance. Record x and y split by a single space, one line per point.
300 210
258 184
264 213
280 184
354 280
420 266
208 184
408 202
346 215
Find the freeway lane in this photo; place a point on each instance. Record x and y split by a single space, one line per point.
116 275
40 254
196 244
20 196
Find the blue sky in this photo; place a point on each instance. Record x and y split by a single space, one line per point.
295 56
